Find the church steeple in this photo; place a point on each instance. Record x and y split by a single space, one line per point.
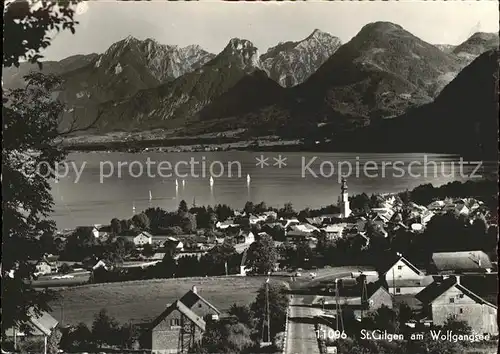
345 209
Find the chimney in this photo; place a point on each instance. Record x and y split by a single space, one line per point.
194 290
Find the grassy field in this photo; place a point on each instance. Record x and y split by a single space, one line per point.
140 301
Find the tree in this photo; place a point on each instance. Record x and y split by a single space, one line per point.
30 121
167 266
116 227
249 208
188 223
27 28
225 338
104 328
287 211
386 319
141 221
183 208
64 268
243 314
147 250
53 341
262 255
278 304
456 326
47 242
78 338
128 336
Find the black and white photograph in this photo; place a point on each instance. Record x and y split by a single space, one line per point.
240 177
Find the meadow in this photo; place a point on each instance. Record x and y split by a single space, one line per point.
144 300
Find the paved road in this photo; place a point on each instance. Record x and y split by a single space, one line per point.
301 338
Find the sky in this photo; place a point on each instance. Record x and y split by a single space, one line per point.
212 24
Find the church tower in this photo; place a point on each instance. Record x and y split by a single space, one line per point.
345 210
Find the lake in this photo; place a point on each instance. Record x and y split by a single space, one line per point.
115 184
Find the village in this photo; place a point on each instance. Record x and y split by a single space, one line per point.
343 263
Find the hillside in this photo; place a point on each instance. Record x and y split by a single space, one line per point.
176 102
462 119
475 45
127 67
291 63
380 73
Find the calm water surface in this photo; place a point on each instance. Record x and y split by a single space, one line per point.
87 201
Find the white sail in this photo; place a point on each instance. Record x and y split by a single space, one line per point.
211 181
176 183
248 179
133 207
150 195
183 183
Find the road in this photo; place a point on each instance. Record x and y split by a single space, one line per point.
301 337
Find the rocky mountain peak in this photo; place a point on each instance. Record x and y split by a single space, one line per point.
243 51
475 45
291 63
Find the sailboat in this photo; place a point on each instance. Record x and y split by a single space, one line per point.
183 183
133 208
176 183
150 195
211 181
248 178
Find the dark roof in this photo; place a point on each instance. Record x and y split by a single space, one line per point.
105 228
190 298
437 288
40 324
372 288
179 306
391 261
468 260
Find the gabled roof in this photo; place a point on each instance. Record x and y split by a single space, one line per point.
179 306
468 260
392 262
40 324
190 298
436 289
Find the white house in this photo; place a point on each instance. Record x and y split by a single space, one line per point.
436 205
334 231
141 238
403 277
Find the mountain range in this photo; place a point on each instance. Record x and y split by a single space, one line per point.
381 74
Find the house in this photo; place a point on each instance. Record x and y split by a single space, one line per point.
246 237
289 222
270 215
100 264
449 298
255 219
334 231
40 326
460 262
408 286
436 205
139 238
173 244
102 231
181 325
461 209
377 296
43 267
229 223
426 216
402 276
